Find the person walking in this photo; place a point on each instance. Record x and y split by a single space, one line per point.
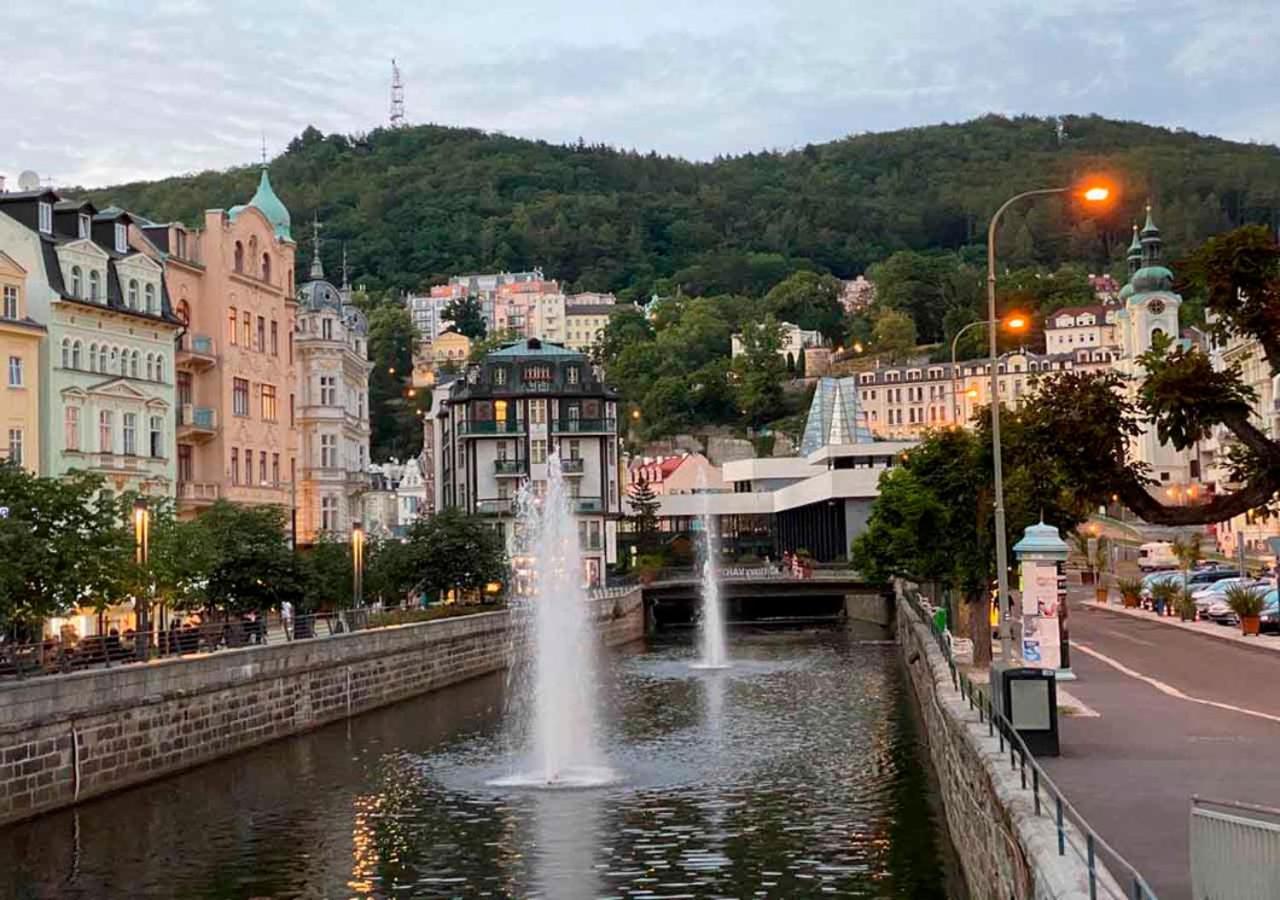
286 619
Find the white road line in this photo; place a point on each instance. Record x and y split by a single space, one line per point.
1126 637
1169 689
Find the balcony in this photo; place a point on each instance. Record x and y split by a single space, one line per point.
584 426
197 493
197 423
572 466
587 504
488 427
196 353
509 467
501 506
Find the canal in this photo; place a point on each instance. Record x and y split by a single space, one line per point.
795 773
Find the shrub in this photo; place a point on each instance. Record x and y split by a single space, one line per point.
1164 592
1183 605
1244 601
1130 587
439 611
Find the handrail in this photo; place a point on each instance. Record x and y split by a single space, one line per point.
1019 757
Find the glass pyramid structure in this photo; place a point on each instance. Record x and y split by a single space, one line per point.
835 416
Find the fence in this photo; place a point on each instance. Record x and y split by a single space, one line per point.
1074 832
1235 850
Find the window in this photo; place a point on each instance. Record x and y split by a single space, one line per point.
132 302
15 371
328 451
186 467
240 397
159 367
93 357
102 359
151 365
575 449
500 376
15 445
235 466
10 302
266 267
82 226
95 285
75 354
328 513
46 217
328 390
291 348
157 437
239 257
106 432
262 466
571 373
538 451
269 402
291 409
134 364
275 338
122 238
260 344
275 468
231 326
129 431
538 412
247 320
150 293
77 286
71 428
326 329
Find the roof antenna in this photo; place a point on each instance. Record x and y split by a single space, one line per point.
397 96
264 149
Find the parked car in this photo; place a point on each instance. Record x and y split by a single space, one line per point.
1269 618
1209 594
1218 611
1154 578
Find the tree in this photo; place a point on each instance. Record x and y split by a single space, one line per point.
809 300
627 325
467 316
1090 419
894 336
329 572
395 428
644 514
253 567
486 345
760 371
454 551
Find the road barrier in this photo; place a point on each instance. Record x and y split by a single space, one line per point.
1235 850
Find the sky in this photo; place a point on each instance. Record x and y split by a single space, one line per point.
97 92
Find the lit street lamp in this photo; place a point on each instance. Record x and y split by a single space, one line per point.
142 553
357 563
1015 322
1092 194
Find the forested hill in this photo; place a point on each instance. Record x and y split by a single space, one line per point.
418 204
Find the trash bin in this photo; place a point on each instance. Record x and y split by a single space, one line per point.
1030 703
940 619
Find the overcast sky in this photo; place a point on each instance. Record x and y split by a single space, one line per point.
101 91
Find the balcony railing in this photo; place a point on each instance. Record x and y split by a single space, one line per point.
198 491
201 418
196 352
588 505
510 467
499 507
572 466
583 426
475 428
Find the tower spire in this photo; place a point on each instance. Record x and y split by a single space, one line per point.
317 268
346 282
264 149
397 96
1135 251
1150 240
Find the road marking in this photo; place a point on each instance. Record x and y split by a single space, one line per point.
1127 637
1169 689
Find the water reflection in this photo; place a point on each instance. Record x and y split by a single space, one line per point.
795 773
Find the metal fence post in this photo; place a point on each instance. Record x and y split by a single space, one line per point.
1062 834
1093 874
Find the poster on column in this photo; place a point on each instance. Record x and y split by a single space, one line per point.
1041 647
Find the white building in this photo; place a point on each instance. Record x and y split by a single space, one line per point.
1069 329
427 312
795 340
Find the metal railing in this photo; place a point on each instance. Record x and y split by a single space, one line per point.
205 417
572 466
490 426
510 466
583 426
587 504
494 507
1072 828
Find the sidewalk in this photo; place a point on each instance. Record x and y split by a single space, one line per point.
1229 633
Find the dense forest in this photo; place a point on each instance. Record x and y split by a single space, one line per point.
416 205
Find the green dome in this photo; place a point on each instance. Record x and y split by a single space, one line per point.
1152 278
1126 292
266 202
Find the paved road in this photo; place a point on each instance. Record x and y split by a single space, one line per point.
1132 770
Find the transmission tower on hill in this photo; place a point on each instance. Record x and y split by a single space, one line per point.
397 96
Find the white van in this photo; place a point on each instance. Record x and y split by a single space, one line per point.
1156 555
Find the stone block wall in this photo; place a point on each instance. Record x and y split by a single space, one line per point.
70 737
1005 848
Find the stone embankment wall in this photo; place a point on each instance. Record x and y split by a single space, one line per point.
70 737
1005 849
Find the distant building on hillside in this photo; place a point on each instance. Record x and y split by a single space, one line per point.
858 294
1066 330
683 473
795 340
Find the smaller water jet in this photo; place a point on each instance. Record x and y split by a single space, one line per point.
711 628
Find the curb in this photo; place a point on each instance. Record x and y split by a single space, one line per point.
1271 649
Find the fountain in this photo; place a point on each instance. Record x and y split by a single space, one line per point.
711 620
555 688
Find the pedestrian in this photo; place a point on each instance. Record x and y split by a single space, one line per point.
286 618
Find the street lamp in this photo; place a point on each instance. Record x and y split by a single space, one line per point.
357 563
1013 322
1093 193
142 553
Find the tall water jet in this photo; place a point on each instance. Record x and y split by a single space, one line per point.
715 655
557 686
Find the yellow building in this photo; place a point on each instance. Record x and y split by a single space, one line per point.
450 348
20 354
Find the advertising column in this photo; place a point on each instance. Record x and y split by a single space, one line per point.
1041 554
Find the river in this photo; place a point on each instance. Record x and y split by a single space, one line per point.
795 773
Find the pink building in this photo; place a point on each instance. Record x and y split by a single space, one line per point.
232 283
686 473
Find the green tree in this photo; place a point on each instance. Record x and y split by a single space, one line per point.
811 301
467 316
253 567
396 429
760 371
454 551
894 336
644 505
486 345
627 326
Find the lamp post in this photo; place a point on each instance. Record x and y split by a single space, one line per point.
1015 322
357 563
142 554
1093 194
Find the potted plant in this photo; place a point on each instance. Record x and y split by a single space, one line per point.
1184 606
1130 592
1162 594
1247 604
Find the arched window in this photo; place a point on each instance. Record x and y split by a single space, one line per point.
132 302
184 312
75 355
150 293
266 267
159 367
102 359
93 357
291 281
115 354
253 250
239 260
66 353
134 363
95 285
151 367
76 287
1156 334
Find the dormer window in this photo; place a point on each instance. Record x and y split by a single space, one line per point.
95 284
150 293
82 226
326 329
571 374
122 238
46 217
132 302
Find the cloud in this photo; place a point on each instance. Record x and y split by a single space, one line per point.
129 93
